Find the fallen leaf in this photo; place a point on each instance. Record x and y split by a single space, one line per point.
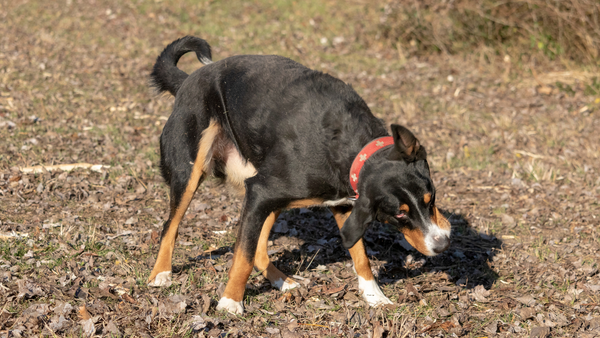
58 323
28 289
540 332
378 330
112 329
63 308
83 313
88 327
526 300
479 293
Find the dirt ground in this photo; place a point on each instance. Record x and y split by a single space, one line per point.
513 143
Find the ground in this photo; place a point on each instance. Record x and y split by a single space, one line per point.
513 143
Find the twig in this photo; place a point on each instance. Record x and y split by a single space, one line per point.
319 325
313 258
525 153
64 167
16 235
137 179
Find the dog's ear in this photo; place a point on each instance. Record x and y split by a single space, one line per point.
406 145
357 222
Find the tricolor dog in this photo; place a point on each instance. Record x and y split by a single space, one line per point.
289 137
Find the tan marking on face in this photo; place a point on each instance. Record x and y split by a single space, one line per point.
357 252
427 198
261 259
200 165
417 240
440 220
305 203
404 207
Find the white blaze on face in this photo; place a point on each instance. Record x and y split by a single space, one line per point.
437 229
434 234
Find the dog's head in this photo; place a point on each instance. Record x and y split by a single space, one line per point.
396 188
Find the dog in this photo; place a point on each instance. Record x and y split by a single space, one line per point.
288 137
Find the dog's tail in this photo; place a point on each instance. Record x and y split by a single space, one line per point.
165 74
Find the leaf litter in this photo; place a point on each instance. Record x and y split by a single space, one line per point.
515 170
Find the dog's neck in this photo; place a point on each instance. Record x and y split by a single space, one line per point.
364 154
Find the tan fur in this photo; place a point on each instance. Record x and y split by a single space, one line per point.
416 239
427 198
200 167
440 220
357 252
404 207
261 260
305 203
238 276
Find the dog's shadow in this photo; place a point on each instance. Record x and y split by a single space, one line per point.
307 238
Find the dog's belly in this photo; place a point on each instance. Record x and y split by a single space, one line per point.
237 170
317 202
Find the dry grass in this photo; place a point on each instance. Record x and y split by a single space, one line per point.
569 28
515 159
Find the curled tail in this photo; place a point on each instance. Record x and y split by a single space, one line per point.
165 74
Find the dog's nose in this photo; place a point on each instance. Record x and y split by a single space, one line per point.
440 243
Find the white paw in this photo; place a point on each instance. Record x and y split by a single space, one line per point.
371 292
285 285
163 279
230 306
289 286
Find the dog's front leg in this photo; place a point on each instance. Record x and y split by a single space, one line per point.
233 296
257 208
367 284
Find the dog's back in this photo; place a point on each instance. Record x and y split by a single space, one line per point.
268 108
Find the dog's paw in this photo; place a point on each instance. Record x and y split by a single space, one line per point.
371 292
162 279
285 285
230 306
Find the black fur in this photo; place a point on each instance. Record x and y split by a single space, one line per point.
165 75
301 129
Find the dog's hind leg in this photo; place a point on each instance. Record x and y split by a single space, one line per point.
184 183
262 262
367 285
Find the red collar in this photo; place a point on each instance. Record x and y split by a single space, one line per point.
362 157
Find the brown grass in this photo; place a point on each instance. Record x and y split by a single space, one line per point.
567 28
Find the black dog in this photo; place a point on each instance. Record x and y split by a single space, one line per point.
288 136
